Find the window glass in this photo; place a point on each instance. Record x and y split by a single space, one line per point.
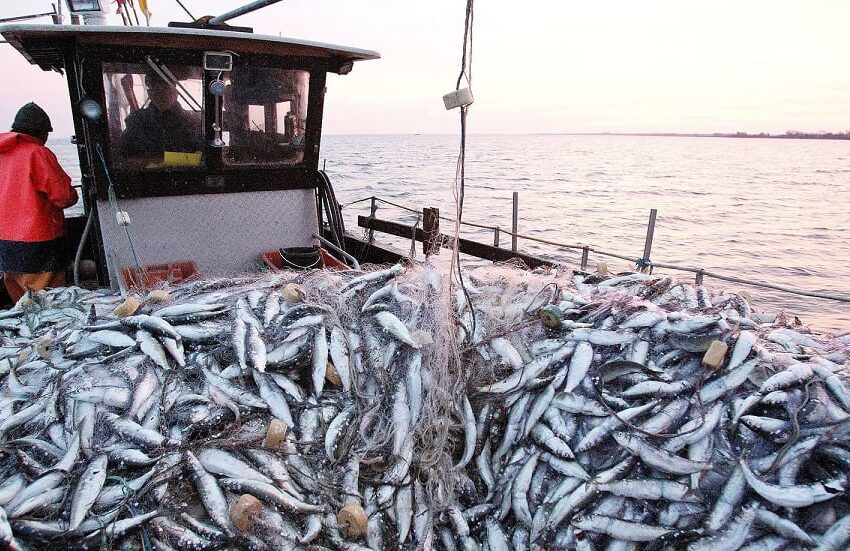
155 114
265 114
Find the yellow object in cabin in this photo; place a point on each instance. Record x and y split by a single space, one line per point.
172 159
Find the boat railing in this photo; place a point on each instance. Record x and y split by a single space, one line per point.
495 252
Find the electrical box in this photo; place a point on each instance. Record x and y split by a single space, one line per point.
218 61
86 7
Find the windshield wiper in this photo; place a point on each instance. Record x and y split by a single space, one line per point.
165 74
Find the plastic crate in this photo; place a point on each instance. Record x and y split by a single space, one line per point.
274 262
157 274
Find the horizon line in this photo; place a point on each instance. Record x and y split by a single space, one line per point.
787 135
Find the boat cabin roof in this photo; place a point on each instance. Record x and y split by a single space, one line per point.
43 45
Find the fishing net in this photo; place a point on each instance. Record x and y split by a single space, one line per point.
424 403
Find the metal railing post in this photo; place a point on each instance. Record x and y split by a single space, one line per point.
584 255
647 246
373 210
496 236
515 222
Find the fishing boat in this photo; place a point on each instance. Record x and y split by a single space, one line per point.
243 190
420 416
247 191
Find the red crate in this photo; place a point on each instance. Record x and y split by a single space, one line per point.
157 274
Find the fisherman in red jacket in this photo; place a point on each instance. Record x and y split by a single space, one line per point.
33 191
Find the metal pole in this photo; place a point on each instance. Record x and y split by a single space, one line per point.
650 231
515 221
57 12
496 236
584 254
25 17
247 8
373 210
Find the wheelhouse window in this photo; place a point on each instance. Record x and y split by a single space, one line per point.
155 115
264 116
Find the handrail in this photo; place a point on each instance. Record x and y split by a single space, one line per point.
783 288
471 224
640 262
336 249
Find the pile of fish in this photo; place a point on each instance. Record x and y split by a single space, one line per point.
390 409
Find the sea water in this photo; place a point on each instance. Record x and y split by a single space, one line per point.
772 210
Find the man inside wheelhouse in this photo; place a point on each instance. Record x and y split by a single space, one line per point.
156 116
162 128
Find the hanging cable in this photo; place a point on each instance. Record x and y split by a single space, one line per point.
460 176
79 254
327 208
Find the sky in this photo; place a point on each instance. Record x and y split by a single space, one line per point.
544 66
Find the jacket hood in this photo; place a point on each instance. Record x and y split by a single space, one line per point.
9 140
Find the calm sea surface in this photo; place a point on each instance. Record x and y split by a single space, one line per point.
769 210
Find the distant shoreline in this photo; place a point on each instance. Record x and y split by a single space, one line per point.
786 136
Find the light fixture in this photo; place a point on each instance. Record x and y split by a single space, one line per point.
217 87
345 68
90 109
85 6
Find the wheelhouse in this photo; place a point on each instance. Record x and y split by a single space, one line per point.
230 172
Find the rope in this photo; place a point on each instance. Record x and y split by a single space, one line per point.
363 201
192 17
459 188
113 201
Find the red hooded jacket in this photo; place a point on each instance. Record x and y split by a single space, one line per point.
33 190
